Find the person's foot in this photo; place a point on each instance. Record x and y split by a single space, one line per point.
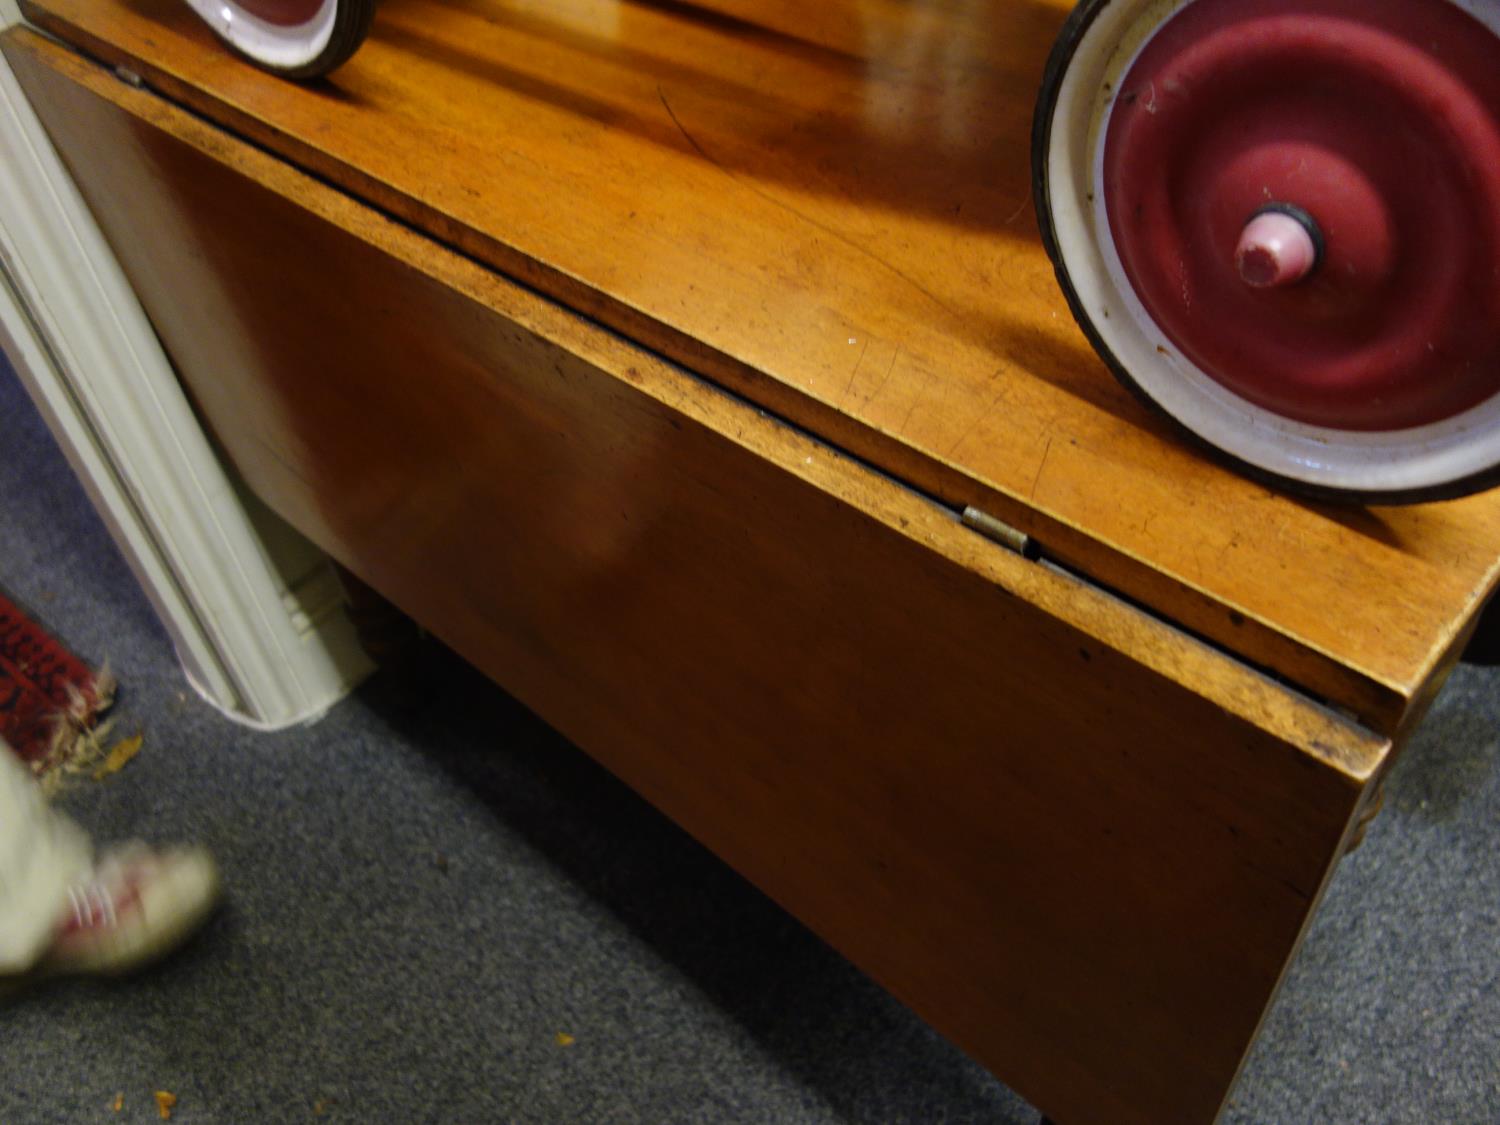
138 905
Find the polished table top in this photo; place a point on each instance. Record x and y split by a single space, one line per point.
826 208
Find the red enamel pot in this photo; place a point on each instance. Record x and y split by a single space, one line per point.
293 38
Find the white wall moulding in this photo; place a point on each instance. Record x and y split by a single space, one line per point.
254 614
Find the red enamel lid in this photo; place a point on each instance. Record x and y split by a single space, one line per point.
1378 122
283 13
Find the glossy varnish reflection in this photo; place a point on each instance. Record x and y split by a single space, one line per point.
1080 843
826 208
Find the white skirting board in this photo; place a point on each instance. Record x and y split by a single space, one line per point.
256 614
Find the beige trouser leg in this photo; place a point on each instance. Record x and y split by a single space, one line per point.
42 854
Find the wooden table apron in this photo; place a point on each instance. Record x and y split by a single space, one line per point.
1080 842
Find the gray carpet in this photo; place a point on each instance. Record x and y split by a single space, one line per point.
421 900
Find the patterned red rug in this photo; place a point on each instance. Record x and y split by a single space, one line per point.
48 697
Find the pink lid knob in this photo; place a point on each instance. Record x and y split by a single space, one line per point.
1275 249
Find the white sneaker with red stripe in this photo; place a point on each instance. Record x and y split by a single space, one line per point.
138 905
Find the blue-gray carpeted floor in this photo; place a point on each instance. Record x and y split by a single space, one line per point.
420 903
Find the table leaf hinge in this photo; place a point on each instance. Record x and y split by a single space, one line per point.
998 531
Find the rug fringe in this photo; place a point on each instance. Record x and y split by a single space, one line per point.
76 742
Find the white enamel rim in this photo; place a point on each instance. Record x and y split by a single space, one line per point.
1411 460
282 48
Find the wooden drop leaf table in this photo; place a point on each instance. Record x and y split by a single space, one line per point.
695 369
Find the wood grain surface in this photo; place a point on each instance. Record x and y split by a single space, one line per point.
826 208
1081 843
